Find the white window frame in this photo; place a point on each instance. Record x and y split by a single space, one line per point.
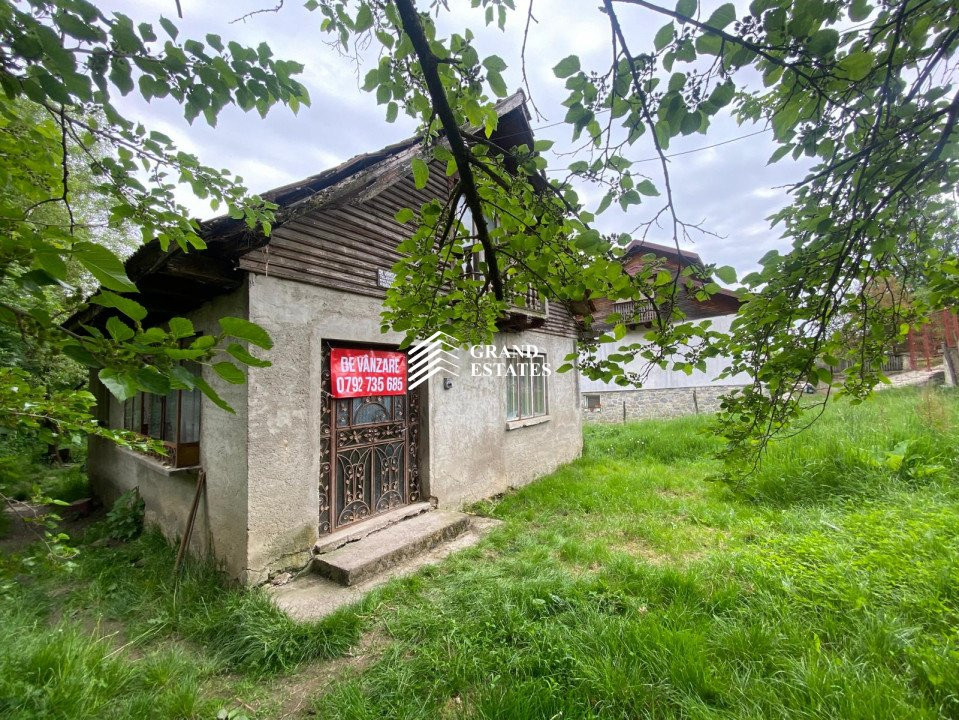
527 395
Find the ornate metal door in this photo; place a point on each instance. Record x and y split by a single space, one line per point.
368 455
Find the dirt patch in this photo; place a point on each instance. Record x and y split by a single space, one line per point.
19 532
294 693
643 550
676 493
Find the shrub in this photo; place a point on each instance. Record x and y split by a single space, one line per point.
125 520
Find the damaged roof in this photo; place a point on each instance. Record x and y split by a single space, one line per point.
172 281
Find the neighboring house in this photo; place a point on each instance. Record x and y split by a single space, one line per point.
665 393
296 465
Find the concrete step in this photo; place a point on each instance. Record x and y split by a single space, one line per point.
379 551
360 530
310 596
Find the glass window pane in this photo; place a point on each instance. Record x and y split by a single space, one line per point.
190 416
539 399
156 415
526 390
137 424
169 420
128 414
512 406
147 402
543 404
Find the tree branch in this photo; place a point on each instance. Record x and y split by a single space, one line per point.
413 27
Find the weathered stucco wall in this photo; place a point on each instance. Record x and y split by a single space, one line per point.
285 406
658 378
260 511
644 404
472 454
466 451
220 528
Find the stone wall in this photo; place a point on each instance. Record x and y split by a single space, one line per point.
617 405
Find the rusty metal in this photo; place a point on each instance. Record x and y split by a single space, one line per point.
368 455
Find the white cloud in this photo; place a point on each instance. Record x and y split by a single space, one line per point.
729 188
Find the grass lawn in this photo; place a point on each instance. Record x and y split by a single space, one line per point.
629 584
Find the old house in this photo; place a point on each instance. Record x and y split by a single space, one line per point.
302 463
665 393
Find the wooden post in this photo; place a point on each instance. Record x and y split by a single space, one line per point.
185 542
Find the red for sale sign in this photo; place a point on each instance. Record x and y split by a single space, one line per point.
358 373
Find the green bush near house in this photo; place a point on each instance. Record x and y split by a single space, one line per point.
631 583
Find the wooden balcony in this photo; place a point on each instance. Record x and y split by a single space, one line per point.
636 313
528 311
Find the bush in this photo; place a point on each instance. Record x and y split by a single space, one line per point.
124 522
899 438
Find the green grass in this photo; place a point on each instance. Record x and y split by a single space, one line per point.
22 481
628 584
115 638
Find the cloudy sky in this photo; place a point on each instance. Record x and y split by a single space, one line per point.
729 188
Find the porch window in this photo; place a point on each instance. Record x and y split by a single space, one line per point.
174 419
526 393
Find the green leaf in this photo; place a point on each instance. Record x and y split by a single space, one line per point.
181 328
859 10
709 44
780 153
81 355
567 66
722 16
229 372
120 384
241 354
646 187
149 380
392 110
856 65
243 329
118 329
824 42
130 308
421 173
104 266
404 215
605 202
169 27
664 36
723 94
494 63
364 19
496 83
726 273
686 7
205 388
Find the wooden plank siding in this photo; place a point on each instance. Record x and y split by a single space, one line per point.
343 246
